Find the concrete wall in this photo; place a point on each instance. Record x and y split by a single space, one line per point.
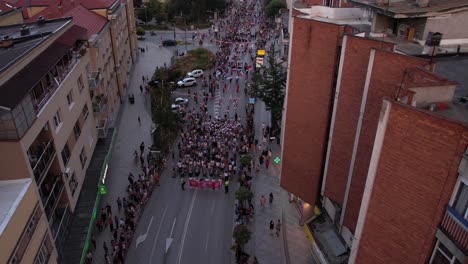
336 13
453 26
313 66
355 59
426 95
409 187
381 23
14 163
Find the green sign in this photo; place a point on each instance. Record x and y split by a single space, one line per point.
102 189
277 160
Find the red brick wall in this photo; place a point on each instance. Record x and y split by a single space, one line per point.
386 76
353 76
414 180
311 78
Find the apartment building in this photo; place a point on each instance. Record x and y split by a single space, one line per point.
46 130
326 156
24 232
114 22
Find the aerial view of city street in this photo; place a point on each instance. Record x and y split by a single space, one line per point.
234 131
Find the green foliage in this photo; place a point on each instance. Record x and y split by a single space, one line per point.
268 84
140 31
194 11
246 159
199 58
241 235
274 6
243 194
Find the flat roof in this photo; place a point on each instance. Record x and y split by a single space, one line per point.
456 110
22 45
11 194
14 90
408 8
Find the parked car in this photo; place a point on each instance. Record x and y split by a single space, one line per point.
186 82
179 103
195 73
169 42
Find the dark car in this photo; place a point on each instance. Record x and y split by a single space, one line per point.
169 42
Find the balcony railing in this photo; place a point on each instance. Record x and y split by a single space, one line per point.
59 227
102 128
100 107
94 80
42 164
456 227
50 202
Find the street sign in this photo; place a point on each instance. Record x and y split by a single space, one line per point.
277 160
251 100
261 52
102 189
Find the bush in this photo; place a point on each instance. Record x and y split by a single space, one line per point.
241 235
140 31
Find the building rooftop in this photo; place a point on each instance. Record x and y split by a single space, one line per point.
98 4
14 90
22 45
409 8
11 194
87 19
5 8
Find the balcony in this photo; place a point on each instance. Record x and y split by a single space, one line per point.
50 199
59 227
41 159
94 80
100 105
102 128
455 227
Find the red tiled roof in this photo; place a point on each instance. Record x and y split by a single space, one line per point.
72 35
97 4
87 19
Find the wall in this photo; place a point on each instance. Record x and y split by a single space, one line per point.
355 59
381 23
14 162
453 27
387 71
313 62
14 17
426 95
411 185
336 13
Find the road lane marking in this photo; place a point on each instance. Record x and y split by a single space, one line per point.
187 220
206 243
157 235
212 207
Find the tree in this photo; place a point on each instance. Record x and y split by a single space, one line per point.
140 32
268 84
241 235
243 194
246 159
274 6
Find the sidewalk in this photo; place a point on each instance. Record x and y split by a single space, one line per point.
129 137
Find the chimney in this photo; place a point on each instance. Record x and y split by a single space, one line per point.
6 41
41 21
422 3
24 30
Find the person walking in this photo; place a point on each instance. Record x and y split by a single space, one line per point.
262 201
267 163
93 241
226 186
182 183
278 228
139 121
111 223
108 209
119 203
272 227
141 88
271 198
106 250
255 260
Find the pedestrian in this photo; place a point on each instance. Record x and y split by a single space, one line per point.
226 186
93 241
115 234
255 260
119 203
106 250
267 163
131 180
142 147
103 215
141 88
89 258
272 227
139 120
262 201
182 183
278 228
260 159
116 221
108 209
111 223
99 224
271 198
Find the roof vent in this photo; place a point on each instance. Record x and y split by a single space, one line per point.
24 30
6 41
41 20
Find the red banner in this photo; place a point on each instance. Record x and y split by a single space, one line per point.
193 182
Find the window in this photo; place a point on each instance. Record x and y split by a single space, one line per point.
77 130
442 255
70 98
43 253
80 83
461 202
85 111
57 119
65 154
83 157
73 184
31 224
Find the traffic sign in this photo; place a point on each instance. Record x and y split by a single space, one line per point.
102 189
277 160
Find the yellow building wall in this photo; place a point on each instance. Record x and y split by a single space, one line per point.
14 163
101 12
32 11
